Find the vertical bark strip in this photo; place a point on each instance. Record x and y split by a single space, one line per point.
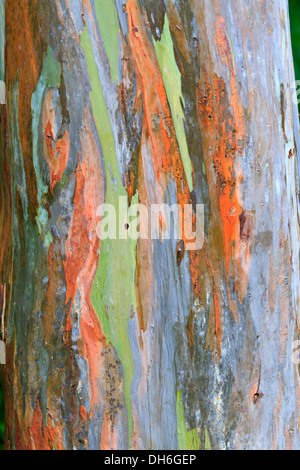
142 344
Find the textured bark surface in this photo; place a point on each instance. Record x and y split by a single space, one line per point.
118 344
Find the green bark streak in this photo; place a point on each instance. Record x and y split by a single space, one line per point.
187 440
113 294
108 22
172 80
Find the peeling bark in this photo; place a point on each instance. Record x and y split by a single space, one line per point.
116 344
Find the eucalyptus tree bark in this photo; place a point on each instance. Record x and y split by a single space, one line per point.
117 344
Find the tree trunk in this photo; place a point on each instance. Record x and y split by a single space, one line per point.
117 344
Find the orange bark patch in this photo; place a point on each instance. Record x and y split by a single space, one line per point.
159 146
78 244
214 117
82 257
109 439
223 126
83 244
158 119
49 437
83 413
